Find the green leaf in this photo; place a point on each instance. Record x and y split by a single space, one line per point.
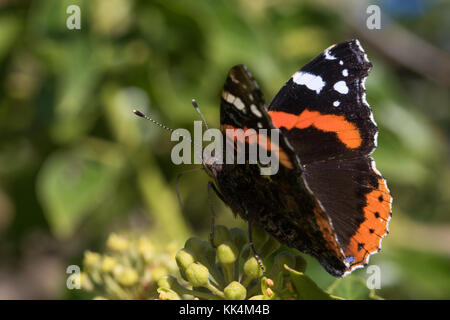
351 287
306 288
72 183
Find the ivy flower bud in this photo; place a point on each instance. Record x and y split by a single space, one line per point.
197 275
126 276
184 259
227 253
145 245
158 272
235 291
146 249
168 294
117 243
91 259
166 282
86 283
252 268
108 264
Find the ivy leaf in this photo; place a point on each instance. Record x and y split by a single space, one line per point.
72 183
352 288
306 288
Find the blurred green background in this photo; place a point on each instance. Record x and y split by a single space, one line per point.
76 164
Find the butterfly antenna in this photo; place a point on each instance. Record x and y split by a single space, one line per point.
140 114
159 124
194 103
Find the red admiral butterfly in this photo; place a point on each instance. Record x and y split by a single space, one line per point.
327 199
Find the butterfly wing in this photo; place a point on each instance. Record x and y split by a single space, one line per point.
242 103
242 107
323 108
323 113
282 204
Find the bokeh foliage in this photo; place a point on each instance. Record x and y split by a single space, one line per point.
76 164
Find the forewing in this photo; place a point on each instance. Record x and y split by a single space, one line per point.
322 109
243 107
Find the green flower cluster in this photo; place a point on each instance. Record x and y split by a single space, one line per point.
133 267
129 269
231 271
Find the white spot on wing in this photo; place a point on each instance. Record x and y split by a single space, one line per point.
341 87
228 97
255 111
345 72
341 62
329 56
239 104
336 103
310 80
233 78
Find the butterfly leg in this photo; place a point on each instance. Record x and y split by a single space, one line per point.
252 245
212 187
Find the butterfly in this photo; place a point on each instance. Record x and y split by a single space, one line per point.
327 198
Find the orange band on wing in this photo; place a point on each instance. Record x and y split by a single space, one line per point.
262 140
346 131
367 239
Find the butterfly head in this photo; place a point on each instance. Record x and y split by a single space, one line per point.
212 164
